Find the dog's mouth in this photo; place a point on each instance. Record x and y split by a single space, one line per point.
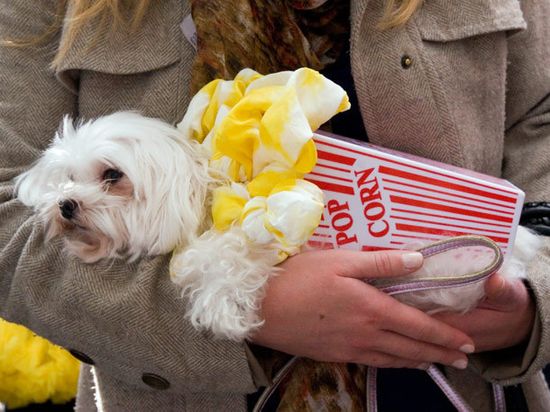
88 235
85 242
74 229
72 225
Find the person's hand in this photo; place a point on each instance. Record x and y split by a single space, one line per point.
319 307
503 319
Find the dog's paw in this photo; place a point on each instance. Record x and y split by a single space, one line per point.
223 276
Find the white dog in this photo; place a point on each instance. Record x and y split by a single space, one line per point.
124 185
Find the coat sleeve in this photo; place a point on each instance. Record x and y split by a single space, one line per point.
128 319
527 164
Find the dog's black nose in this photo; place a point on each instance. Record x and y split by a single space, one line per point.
68 208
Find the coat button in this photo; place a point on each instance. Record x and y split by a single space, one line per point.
155 381
406 61
81 357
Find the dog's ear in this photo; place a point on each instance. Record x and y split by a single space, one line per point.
181 187
32 184
170 179
187 200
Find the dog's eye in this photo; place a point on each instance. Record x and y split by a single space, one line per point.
112 175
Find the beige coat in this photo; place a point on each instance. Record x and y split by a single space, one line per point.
476 95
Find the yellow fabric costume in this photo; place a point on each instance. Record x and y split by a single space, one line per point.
258 130
33 370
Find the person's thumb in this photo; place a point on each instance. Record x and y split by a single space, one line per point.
499 292
381 264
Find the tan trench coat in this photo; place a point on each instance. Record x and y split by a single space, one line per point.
476 95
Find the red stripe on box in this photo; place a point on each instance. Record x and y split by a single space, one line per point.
408 219
366 248
319 164
324 226
451 218
429 189
435 231
450 209
503 246
390 189
417 237
331 177
333 157
333 187
423 169
500 188
441 183
323 235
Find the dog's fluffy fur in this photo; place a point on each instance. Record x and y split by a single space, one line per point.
159 202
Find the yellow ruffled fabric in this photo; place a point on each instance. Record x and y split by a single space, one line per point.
258 131
33 370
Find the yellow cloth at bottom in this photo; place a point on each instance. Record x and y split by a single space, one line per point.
33 370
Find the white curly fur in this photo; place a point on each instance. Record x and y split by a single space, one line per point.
224 276
160 203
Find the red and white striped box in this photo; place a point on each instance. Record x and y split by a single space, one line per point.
377 198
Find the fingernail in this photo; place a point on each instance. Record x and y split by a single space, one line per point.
460 364
423 366
412 260
467 348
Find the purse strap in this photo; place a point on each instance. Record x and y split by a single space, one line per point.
426 283
447 282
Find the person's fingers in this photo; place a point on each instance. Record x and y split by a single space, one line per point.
468 322
379 264
419 352
411 322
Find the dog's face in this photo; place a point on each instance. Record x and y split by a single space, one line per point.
121 185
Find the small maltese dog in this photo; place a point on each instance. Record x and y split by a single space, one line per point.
125 186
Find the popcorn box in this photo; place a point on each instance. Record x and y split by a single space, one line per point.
377 198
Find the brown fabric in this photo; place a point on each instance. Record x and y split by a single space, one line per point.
476 95
313 386
267 36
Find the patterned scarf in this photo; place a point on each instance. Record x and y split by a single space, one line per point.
267 36
270 36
